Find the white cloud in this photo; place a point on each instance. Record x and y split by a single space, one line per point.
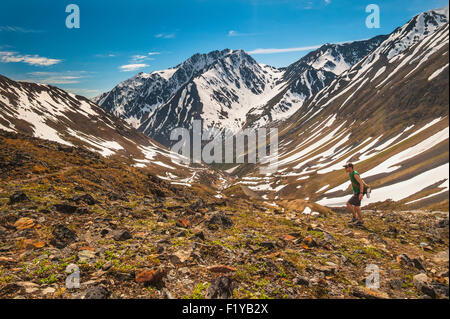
153 53
8 28
139 58
132 67
89 93
110 55
234 33
273 50
69 77
165 35
14 57
62 80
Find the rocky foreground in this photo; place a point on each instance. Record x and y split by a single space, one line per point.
131 235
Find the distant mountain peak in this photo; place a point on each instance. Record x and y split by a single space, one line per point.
442 11
415 30
212 85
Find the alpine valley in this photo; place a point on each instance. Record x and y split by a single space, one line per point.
381 103
94 182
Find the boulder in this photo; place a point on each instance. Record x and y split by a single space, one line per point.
63 236
97 292
419 264
221 220
220 288
422 283
181 256
17 197
302 281
396 283
328 238
86 198
65 208
442 223
86 256
121 235
366 293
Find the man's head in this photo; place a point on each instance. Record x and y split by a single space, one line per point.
348 167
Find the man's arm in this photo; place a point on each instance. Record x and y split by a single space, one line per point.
361 186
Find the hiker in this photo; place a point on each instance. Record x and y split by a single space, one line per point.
359 189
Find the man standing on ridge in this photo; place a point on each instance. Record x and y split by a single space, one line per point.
359 189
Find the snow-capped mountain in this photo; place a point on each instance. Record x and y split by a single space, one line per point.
219 87
379 63
320 68
221 95
381 103
337 58
388 114
137 98
309 75
227 89
415 30
50 113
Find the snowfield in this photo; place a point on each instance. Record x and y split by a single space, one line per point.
399 191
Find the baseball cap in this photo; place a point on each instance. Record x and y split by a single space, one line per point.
348 165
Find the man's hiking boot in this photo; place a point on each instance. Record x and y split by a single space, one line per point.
353 221
359 224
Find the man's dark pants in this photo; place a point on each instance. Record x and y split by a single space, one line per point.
354 200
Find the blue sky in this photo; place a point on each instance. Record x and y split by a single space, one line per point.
118 39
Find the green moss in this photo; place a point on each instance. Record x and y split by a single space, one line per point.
246 272
179 242
199 291
49 280
6 279
316 234
282 272
111 256
220 243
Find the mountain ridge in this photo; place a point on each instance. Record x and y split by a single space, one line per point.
388 116
48 112
205 95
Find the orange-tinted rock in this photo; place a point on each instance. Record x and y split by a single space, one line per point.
183 222
221 269
24 223
288 237
150 276
33 244
6 260
305 246
309 242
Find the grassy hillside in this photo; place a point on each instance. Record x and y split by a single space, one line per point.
133 235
